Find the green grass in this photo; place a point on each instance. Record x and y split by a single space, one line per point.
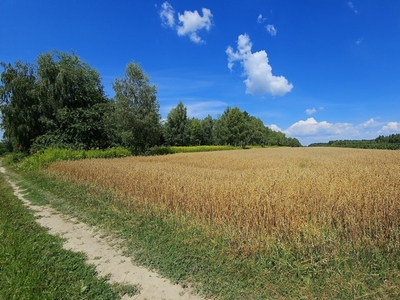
42 159
33 264
186 149
190 253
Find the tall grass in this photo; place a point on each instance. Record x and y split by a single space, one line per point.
42 159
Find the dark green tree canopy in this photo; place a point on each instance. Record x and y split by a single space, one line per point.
50 104
137 115
176 129
19 105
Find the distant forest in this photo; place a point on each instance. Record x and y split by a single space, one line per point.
60 102
391 142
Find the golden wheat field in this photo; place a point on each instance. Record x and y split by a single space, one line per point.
262 192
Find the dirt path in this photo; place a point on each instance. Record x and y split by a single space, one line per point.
104 253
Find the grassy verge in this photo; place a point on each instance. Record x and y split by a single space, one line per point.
42 159
189 252
33 264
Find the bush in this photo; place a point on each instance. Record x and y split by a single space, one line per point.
159 150
42 159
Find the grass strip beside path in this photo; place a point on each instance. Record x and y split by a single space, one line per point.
33 264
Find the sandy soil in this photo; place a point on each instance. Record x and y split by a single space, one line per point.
104 253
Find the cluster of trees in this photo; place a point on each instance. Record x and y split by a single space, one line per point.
391 142
60 102
233 127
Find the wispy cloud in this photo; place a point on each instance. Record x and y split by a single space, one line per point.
359 41
351 5
189 23
203 108
257 69
271 29
260 19
310 111
167 15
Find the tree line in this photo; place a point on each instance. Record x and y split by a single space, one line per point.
60 102
391 142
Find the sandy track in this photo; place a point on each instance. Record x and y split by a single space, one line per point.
104 253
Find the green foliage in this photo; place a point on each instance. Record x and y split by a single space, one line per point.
238 128
391 142
42 159
58 103
186 149
34 265
19 105
176 129
159 150
136 115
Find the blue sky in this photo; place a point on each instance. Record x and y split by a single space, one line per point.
318 70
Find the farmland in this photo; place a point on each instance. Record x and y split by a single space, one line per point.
328 217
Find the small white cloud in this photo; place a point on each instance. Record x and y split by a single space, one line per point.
167 15
260 19
271 29
193 22
310 111
391 127
359 41
257 69
190 22
275 127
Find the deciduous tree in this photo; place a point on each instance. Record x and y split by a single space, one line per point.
137 115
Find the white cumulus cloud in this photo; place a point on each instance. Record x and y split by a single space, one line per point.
391 127
271 29
312 127
189 23
256 67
